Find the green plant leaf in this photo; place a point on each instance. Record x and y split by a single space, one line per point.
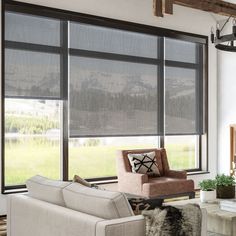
208 185
225 180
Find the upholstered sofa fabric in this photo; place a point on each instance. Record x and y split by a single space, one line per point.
27 216
128 226
46 189
100 203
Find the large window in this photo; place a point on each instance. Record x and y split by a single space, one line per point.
77 89
32 139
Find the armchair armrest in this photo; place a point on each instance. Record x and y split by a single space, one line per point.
128 226
136 177
132 182
179 174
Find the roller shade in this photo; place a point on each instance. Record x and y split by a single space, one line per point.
112 98
183 88
32 56
113 85
180 101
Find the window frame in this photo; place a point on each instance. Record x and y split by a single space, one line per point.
66 16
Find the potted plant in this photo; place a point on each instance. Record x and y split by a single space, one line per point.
225 186
207 190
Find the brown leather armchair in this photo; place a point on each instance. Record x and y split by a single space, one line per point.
171 183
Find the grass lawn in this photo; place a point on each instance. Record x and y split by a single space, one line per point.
26 158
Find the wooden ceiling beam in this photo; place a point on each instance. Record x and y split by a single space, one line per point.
158 8
169 6
215 6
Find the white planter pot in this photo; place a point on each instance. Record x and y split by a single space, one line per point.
207 196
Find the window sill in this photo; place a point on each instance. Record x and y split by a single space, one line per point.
202 172
14 191
111 181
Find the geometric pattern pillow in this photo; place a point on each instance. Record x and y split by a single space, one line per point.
144 163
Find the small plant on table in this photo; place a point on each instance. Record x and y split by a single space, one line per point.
225 186
208 190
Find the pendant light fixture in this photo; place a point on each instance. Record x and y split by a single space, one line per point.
224 42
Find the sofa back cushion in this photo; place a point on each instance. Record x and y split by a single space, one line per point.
96 202
45 189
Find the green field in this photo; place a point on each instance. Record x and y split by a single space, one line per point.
28 157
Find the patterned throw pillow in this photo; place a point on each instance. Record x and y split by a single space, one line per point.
78 179
140 204
82 181
144 163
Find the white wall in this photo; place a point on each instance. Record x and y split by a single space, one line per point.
226 103
140 11
226 107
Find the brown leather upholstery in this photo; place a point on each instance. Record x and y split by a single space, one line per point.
171 182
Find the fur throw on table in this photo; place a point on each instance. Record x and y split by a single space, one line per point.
174 221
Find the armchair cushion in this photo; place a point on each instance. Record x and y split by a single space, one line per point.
144 163
164 186
179 174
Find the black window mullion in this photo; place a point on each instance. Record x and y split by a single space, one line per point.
199 90
64 93
112 56
32 47
200 152
3 177
161 92
181 64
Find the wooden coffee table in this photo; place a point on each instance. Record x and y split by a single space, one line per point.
218 221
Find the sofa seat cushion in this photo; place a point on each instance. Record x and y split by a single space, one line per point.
166 186
45 189
96 202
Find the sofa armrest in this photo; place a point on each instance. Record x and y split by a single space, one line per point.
179 174
128 226
132 182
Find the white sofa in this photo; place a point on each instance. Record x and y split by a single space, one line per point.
56 208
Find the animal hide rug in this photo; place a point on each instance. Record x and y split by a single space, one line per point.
174 221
